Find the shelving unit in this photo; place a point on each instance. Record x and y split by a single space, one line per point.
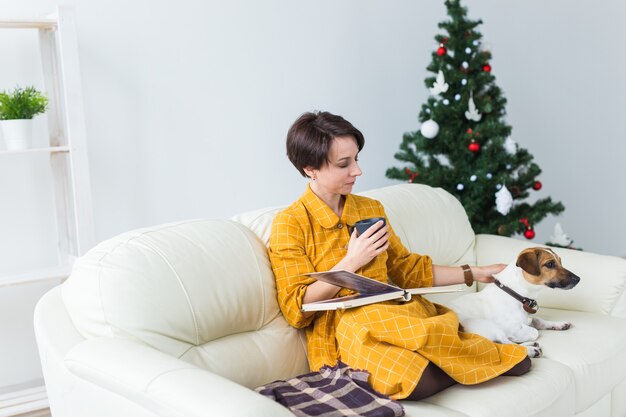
69 165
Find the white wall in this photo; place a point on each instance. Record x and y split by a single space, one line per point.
188 103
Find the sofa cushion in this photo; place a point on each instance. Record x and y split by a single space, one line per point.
546 391
429 221
593 348
182 287
259 221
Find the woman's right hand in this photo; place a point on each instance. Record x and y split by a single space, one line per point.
369 244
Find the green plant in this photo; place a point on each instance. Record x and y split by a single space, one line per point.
22 103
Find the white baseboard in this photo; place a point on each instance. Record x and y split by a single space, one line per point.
29 402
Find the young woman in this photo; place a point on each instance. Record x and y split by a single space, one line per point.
413 349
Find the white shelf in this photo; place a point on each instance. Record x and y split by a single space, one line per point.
28 23
22 401
50 149
35 275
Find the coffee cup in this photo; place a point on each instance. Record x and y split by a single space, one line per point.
362 225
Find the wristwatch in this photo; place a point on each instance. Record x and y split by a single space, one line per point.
467 274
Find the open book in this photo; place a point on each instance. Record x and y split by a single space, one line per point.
369 291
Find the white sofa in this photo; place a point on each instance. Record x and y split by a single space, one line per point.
181 320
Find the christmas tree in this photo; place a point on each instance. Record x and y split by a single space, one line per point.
464 145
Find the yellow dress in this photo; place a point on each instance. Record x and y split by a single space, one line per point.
393 341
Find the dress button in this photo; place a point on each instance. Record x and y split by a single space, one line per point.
339 226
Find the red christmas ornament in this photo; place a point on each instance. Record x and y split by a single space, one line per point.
537 185
529 233
441 51
474 146
469 131
487 68
411 173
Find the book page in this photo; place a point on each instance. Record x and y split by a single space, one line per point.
345 279
437 290
350 301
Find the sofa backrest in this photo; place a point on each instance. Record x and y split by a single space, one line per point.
428 221
199 290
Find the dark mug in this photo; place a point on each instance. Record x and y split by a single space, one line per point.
362 225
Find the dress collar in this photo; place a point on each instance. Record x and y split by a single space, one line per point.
324 214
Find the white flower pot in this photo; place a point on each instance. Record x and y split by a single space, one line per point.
18 133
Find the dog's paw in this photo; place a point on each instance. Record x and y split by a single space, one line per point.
530 343
561 325
534 351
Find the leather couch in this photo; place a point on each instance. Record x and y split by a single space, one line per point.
181 320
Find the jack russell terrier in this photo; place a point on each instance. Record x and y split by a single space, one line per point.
500 312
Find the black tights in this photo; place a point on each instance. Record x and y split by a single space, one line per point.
434 379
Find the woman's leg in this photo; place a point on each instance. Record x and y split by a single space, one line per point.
519 369
433 380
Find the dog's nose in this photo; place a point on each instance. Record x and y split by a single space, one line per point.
572 281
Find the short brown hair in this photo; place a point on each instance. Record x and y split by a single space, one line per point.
310 136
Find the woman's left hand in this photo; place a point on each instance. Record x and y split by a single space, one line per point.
485 273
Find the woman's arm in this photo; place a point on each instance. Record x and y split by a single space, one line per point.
361 250
449 275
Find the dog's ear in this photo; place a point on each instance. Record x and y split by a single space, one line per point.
528 260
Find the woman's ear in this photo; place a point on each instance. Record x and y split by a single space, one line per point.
310 172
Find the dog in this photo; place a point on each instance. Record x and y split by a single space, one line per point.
504 318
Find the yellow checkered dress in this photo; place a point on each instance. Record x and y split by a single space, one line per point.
393 341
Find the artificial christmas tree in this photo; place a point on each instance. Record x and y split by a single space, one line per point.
464 145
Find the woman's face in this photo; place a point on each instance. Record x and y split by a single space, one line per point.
339 174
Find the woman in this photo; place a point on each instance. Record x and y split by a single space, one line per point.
412 350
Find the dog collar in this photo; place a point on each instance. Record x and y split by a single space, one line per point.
530 305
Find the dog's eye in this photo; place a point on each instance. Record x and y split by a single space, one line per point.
550 264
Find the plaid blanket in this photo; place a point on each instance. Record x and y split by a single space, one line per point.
336 391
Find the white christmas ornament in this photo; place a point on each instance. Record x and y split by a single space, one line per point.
473 178
464 81
504 201
475 43
465 64
468 50
510 146
489 175
440 85
472 113
446 101
460 187
559 237
429 129
457 97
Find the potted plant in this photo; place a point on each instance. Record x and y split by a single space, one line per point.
17 109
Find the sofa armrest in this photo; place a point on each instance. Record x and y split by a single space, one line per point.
163 384
602 278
